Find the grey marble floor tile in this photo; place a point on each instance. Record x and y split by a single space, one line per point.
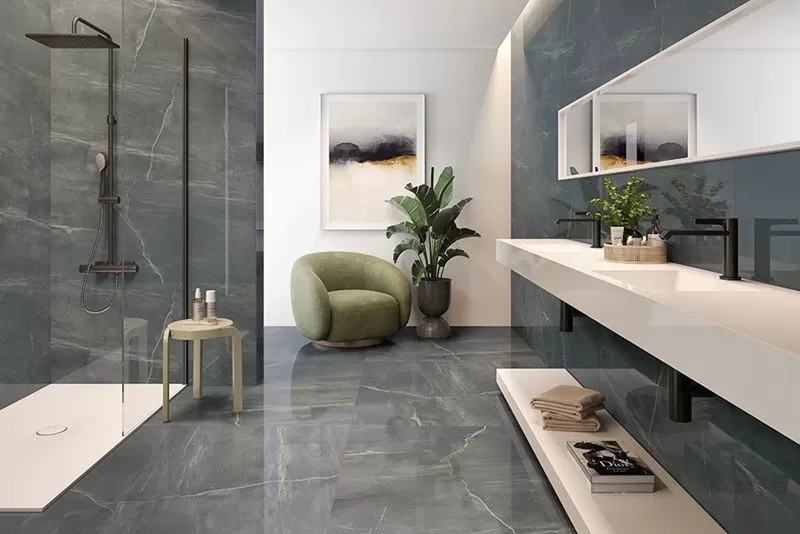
321 388
215 407
287 344
440 479
429 379
332 441
203 479
423 393
402 409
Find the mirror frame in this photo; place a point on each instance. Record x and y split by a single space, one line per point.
704 32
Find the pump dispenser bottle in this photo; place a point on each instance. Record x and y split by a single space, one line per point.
198 306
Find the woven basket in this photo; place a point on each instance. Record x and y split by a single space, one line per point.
635 254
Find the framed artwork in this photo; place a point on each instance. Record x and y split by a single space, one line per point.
372 146
636 129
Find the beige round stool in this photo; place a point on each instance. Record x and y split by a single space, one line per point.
188 330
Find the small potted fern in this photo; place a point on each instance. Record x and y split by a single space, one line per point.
624 209
430 233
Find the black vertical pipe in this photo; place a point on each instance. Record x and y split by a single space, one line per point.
185 211
680 396
730 269
109 178
565 315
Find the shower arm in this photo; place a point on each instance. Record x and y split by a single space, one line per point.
85 22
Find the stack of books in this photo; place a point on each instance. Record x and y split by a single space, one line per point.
609 468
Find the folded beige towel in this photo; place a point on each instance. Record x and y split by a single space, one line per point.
574 397
557 416
568 412
554 423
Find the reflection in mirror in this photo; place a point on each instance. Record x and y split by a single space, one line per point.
731 89
762 252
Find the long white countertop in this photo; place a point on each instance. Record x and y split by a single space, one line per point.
740 339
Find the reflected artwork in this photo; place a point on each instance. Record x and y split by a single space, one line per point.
636 129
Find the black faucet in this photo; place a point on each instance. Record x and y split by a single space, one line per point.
762 267
730 231
596 230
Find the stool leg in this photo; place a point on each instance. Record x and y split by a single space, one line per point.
238 403
165 375
198 369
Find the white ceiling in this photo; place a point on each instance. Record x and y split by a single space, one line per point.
389 24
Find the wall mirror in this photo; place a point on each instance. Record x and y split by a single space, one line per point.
731 89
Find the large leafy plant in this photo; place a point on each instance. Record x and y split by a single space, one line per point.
431 229
626 207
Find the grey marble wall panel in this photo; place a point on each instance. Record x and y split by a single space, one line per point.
24 200
152 191
222 166
54 106
745 474
149 179
223 192
83 345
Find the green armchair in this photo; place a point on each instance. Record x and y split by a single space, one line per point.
346 299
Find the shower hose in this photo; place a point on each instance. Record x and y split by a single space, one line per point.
88 269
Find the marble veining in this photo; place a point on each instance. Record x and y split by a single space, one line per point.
287 467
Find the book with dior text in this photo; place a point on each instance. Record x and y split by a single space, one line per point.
608 463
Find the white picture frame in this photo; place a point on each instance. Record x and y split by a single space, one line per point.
357 131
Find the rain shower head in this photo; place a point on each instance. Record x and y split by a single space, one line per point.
72 40
75 40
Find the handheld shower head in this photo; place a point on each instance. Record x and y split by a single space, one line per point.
101 160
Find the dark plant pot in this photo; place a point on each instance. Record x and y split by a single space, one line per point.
433 299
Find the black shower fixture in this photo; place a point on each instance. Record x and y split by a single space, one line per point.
107 199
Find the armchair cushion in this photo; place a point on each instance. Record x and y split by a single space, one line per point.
358 314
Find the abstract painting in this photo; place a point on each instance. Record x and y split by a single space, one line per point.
636 129
372 146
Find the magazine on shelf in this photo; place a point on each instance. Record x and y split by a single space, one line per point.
607 462
621 488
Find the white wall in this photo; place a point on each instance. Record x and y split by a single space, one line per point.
468 127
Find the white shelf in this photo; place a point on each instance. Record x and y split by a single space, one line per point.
667 511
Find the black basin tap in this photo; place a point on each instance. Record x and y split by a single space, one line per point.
730 231
596 230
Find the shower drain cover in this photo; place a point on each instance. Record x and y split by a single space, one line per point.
51 430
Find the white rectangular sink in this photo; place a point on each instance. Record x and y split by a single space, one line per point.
675 280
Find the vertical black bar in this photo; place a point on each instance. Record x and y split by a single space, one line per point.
259 223
680 396
109 178
730 269
185 202
565 315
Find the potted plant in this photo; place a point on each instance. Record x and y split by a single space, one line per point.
624 209
431 233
